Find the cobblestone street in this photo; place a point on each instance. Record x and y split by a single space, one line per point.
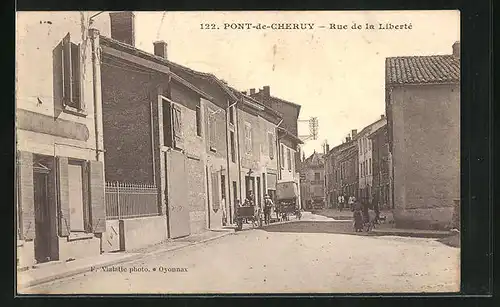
312 255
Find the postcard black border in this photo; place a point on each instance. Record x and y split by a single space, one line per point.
476 126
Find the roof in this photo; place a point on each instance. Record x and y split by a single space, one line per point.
316 158
422 69
290 135
368 129
260 95
164 61
379 130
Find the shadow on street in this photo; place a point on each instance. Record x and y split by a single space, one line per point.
338 227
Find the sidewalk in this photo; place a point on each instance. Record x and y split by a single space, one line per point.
52 271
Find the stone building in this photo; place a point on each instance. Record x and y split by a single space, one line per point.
365 160
313 184
288 141
59 138
381 165
423 113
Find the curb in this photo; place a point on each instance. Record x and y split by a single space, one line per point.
412 234
130 258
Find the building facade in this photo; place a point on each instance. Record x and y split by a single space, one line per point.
365 159
346 169
313 184
59 139
381 184
288 147
423 112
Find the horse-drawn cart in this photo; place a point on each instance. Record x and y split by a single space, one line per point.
287 197
245 214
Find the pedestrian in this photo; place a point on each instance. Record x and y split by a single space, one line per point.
268 207
358 215
224 213
339 202
351 201
376 208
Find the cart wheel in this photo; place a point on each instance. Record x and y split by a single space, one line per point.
239 225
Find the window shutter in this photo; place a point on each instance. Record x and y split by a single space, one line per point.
177 123
26 194
97 200
213 130
75 75
215 192
67 74
271 145
63 191
58 67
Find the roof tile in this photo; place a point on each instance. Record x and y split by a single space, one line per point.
422 69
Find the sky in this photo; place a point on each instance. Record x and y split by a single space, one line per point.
336 75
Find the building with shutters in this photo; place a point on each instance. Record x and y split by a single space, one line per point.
178 116
313 185
365 159
381 166
423 120
59 139
288 140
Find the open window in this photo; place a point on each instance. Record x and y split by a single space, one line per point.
172 125
68 76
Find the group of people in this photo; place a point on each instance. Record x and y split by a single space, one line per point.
249 202
360 209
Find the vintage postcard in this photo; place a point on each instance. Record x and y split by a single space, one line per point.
238 152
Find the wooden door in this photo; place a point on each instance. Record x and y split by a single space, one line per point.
177 195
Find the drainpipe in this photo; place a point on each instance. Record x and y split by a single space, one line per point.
96 78
238 146
228 197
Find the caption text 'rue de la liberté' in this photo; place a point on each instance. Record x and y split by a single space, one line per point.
305 26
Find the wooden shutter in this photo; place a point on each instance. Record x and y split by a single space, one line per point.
63 199
26 195
67 70
97 197
215 192
271 145
177 126
212 129
58 67
75 75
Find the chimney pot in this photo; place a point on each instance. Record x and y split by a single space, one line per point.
160 49
252 91
382 116
354 132
123 27
456 49
267 90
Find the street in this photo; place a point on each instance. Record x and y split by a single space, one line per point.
309 256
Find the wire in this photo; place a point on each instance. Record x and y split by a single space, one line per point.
161 23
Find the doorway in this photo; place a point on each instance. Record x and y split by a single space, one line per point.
43 231
235 201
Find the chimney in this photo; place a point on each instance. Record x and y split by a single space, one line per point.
123 27
252 91
327 147
456 49
382 116
347 139
244 93
160 49
354 132
267 91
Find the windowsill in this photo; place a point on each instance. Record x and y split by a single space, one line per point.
75 236
213 149
74 111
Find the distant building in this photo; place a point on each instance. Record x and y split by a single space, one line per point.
423 113
365 160
381 166
313 184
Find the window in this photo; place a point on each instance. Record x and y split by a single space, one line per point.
223 186
76 186
317 176
198 121
233 148
212 126
270 138
289 159
248 138
67 70
177 126
369 166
